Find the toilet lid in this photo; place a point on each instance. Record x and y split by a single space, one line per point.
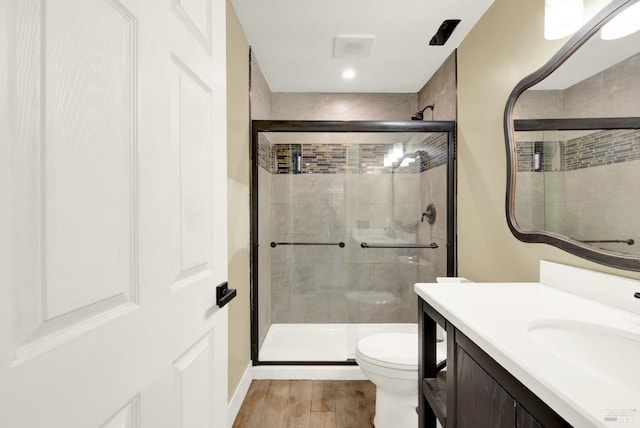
393 350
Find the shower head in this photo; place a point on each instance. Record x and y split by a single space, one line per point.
420 114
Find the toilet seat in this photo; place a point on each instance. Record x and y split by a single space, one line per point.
398 351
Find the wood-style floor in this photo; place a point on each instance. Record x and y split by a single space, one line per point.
308 404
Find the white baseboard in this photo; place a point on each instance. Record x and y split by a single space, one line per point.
240 393
309 372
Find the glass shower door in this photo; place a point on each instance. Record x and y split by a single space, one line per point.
342 237
303 243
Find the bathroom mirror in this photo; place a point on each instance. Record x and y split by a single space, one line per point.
572 132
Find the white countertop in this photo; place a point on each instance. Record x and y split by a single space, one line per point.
498 317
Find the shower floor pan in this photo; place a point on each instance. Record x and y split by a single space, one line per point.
321 342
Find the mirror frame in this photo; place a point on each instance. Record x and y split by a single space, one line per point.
605 257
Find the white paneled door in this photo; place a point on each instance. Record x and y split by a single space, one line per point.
112 213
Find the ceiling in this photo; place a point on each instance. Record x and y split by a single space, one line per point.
293 41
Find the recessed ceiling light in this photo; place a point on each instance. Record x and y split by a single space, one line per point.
349 74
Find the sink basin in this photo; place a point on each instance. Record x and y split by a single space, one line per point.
604 352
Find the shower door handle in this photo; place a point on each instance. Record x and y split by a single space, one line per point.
365 245
610 241
339 244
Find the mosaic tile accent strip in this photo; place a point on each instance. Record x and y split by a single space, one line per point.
266 155
371 158
601 148
324 158
524 155
372 161
596 149
350 158
434 151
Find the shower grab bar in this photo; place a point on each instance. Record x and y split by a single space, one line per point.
610 241
339 244
365 245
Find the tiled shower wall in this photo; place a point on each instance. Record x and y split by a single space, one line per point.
314 283
587 151
329 284
327 158
613 92
594 192
586 203
601 148
432 263
598 203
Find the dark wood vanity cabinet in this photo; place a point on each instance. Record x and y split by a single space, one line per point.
473 391
479 397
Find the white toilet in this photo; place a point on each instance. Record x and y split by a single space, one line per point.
390 361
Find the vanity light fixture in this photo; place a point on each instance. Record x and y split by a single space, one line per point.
625 23
562 18
348 74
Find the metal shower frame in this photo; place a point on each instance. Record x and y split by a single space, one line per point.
258 126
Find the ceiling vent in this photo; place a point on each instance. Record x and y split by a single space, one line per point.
353 46
444 32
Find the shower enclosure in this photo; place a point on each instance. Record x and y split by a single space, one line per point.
346 217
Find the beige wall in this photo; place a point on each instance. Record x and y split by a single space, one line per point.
489 66
260 92
238 197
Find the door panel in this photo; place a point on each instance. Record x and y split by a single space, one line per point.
196 16
113 135
193 395
74 169
191 123
127 417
